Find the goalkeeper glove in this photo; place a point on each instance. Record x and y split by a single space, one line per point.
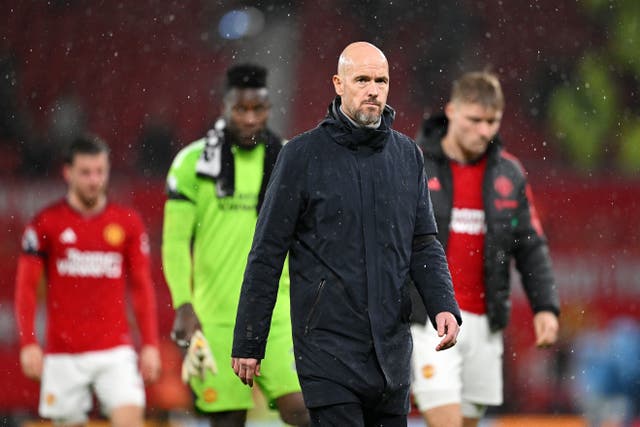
198 359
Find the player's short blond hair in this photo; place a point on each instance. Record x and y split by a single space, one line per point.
478 87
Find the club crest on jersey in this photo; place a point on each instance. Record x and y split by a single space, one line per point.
503 186
210 395
30 241
68 236
50 399
113 234
428 371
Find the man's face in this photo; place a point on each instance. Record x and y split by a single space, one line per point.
363 86
472 126
246 112
87 177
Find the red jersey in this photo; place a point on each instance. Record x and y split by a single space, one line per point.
465 247
87 261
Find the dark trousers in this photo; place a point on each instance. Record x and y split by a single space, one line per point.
354 415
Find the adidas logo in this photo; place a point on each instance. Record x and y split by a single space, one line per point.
68 236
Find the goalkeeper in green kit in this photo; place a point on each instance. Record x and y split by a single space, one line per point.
215 188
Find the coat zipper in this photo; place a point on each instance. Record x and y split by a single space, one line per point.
314 305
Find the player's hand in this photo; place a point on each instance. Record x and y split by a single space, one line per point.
150 364
31 361
448 328
185 325
199 359
246 369
545 324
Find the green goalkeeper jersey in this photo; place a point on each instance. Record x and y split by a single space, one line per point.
206 238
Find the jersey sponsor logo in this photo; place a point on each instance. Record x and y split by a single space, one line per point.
239 202
30 241
503 185
468 221
68 236
113 234
95 264
434 184
501 204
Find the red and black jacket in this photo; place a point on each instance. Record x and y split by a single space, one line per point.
513 227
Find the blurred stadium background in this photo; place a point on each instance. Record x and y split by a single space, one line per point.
147 76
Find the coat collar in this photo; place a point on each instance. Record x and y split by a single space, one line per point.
346 134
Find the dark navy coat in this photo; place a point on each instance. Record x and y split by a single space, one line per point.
347 204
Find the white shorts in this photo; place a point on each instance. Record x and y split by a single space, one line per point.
67 381
469 373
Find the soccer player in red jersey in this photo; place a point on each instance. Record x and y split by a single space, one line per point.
87 249
486 218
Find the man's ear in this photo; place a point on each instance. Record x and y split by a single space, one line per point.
338 85
449 110
66 172
229 99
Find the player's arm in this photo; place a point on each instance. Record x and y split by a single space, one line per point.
429 269
177 238
534 264
144 300
29 275
178 232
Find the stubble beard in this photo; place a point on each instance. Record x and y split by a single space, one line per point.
366 119
249 141
90 201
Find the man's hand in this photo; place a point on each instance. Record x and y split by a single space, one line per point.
246 369
185 325
31 361
545 324
448 327
199 359
150 365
